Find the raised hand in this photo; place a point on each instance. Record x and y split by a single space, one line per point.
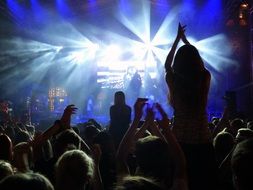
66 117
180 31
150 114
170 57
164 122
138 107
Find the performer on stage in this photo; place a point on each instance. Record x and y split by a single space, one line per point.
132 83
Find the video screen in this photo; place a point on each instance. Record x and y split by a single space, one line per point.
121 74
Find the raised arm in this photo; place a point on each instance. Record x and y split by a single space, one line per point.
223 123
176 151
146 125
58 126
97 182
180 35
127 140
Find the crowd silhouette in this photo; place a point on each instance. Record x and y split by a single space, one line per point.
186 152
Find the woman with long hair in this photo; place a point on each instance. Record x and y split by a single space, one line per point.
120 117
189 81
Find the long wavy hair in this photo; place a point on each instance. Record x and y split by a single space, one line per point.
189 72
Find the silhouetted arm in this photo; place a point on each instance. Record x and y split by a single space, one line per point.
149 119
58 126
97 182
223 123
183 37
175 149
169 59
128 139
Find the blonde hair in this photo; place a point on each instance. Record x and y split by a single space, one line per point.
74 169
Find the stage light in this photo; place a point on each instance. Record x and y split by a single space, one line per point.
78 57
112 53
244 5
16 9
144 38
92 48
38 11
243 14
63 8
149 46
138 52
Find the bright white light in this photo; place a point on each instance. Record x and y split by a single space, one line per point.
92 49
113 49
148 46
138 52
78 57
111 53
142 48
216 50
163 35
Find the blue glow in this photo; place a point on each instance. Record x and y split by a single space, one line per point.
16 9
211 13
161 8
125 7
215 50
38 11
187 12
63 8
73 43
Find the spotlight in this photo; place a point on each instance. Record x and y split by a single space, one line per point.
93 47
243 13
149 46
112 52
78 57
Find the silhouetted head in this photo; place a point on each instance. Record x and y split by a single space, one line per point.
5 169
138 183
22 136
74 169
242 165
67 140
89 134
25 181
190 77
235 125
105 141
250 125
119 98
223 144
187 61
244 134
153 158
22 160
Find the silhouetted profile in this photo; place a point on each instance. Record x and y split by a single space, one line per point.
132 83
189 82
120 117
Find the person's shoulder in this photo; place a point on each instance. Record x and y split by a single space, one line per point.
207 74
113 107
128 107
